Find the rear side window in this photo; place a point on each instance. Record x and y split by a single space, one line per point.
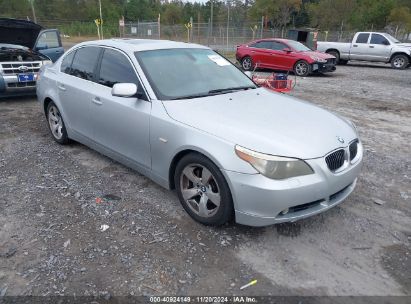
66 63
362 38
84 63
379 39
116 68
262 45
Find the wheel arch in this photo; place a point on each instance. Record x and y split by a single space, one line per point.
46 103
333 50
179 155
399 53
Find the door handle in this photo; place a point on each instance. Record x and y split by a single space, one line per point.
355 45
97 101
371 46
61 87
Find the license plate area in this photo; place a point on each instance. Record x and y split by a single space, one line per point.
26 77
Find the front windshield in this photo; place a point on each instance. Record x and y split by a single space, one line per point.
391 38
189 73
298 46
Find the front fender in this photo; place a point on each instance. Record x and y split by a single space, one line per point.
169 137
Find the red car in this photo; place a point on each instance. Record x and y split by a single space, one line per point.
284 55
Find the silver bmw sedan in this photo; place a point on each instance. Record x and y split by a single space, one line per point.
188 119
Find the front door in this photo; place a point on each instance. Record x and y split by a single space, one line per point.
379 48
121 124
49 44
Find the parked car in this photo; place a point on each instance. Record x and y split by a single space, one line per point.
24 48
190 120
284 54
370 46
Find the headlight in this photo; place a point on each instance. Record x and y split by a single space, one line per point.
318 59
274 167
47 62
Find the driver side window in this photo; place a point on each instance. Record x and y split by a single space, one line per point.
379 39
116 68
48 40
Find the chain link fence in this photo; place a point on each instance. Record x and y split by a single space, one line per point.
223 37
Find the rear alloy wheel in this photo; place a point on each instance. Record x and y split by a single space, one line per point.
56 124
302 68
400 61
247 63
203 190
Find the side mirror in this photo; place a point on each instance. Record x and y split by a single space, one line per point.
124 89
386 42
287 50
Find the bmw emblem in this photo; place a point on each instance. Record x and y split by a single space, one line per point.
203 189
340 139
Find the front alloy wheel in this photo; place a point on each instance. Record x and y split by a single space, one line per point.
399 62
302 68
202 190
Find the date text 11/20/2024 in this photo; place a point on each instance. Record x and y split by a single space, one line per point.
205 299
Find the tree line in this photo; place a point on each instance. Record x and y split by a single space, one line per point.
322 14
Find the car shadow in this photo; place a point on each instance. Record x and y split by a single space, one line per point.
367 65
17 98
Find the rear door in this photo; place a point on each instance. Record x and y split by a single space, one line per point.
360 47
49 43
379 48
121 124
75 85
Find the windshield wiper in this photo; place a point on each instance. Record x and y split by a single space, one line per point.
229 90
214 92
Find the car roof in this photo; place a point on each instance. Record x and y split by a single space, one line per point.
137 45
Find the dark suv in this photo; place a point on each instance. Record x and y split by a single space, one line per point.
24 48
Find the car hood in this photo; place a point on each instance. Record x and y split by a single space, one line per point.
19 32
407 45
265 122
318 54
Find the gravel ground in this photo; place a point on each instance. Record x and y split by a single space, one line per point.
55 200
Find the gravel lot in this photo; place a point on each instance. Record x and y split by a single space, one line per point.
51 214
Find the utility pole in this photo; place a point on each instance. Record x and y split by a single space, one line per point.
33 10
211 18
101 20
228 20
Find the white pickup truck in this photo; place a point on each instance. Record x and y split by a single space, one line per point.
370 46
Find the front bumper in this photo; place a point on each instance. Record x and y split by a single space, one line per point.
260 201
10 86
319 67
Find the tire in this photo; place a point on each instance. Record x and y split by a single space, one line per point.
302 68
336 54
338 60
208 202
400 62
247 63
56 124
